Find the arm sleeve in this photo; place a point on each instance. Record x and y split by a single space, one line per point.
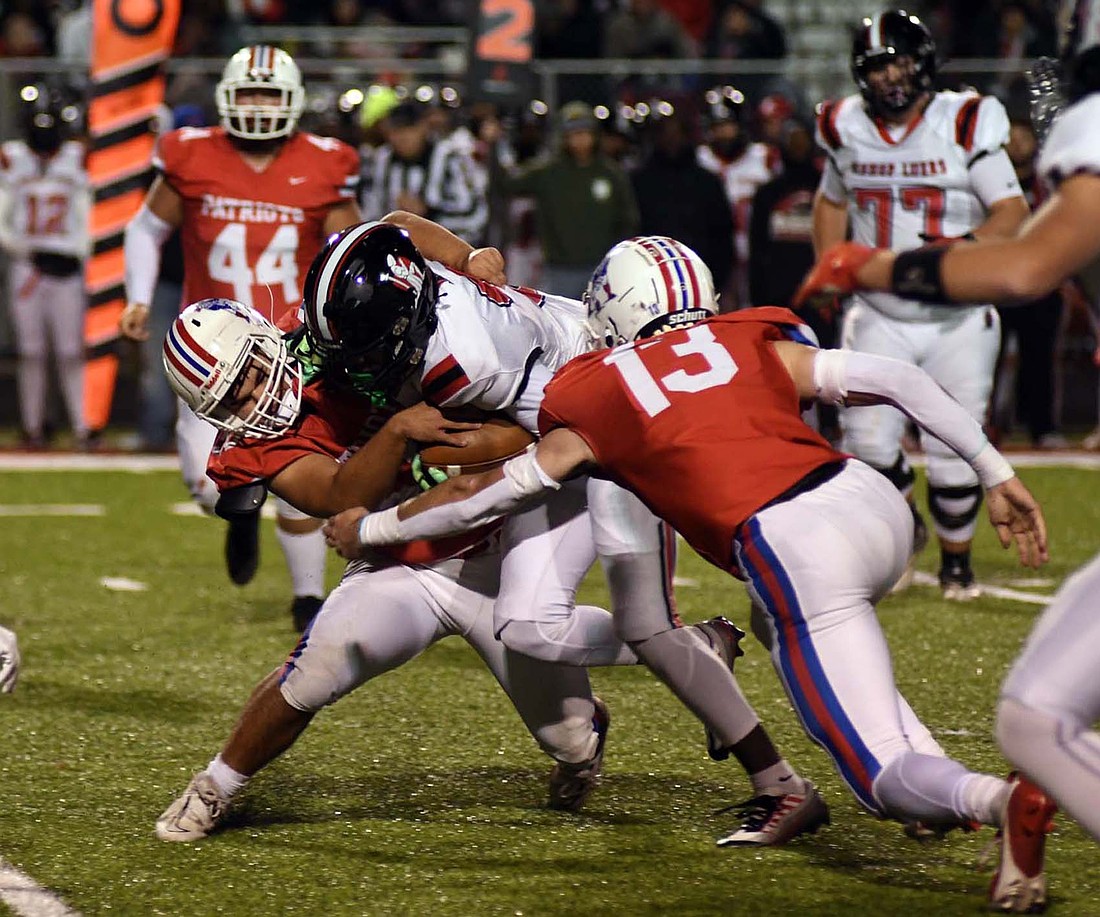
145 234
993 178
841 374
523 480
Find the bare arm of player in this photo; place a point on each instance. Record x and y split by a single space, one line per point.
437 243
1004 219
340 216
145 234
855 379
1058 240
468 502
830 222
321 486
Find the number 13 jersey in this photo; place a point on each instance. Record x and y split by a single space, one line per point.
249 235
904 182
703 423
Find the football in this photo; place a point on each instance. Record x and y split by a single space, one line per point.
498 439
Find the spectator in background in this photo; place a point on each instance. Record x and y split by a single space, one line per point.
781 248
643 28
436 179
1035 326
743 31
571 30
21 36
583 202
742 166
677 197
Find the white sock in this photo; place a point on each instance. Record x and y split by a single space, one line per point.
983 798
305 559
227 780
776 780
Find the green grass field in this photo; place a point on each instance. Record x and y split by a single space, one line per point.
421 793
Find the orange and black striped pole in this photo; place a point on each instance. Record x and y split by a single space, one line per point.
130 41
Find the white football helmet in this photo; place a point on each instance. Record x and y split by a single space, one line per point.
260 67
647 285
208 353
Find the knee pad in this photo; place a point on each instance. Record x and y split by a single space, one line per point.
568 740
900 474
954 507
1022 731
916 787
528 638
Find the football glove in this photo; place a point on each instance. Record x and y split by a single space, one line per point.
834 274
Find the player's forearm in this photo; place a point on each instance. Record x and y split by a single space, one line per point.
460 504
145 234
1004 220
853 378
370 475
434 241
830 223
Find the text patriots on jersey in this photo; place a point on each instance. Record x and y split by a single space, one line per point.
236 210
920 168
404 274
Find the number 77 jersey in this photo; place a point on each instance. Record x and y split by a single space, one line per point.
702 423
933 178
248 235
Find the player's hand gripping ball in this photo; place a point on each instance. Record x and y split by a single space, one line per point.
498 439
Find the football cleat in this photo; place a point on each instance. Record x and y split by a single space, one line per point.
196 814
303 610
572 784
767 821
725 639
958 585
242 547
1019 885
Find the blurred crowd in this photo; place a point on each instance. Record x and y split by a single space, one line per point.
728 169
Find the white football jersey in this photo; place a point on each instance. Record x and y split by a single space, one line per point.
49 197
741 178
489 337
1073 145
905 183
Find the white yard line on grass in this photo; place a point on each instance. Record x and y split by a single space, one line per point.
998 592
52 509
27 898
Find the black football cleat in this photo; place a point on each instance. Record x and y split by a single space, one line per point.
242 547
304 609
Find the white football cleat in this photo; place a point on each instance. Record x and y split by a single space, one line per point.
768 821
196 814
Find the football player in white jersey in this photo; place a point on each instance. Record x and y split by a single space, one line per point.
9 661
743 166
1051 698
44 201
394 327
908 164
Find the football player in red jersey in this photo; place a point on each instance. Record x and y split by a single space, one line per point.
701 420
254 199
295 439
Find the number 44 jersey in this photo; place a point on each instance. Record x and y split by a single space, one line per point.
935 177
251 235
702 423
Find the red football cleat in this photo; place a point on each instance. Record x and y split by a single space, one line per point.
1019 885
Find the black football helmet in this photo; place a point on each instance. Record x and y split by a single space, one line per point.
47 117
880 39
725 118
369 308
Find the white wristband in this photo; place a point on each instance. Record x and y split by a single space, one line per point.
379 528
991 467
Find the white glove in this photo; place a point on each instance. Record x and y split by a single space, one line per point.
9 661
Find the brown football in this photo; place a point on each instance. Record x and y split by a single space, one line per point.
498 439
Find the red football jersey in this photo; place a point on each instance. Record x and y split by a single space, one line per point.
702 423
335 424
249 235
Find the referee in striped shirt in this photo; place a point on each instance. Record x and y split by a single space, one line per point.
437 179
